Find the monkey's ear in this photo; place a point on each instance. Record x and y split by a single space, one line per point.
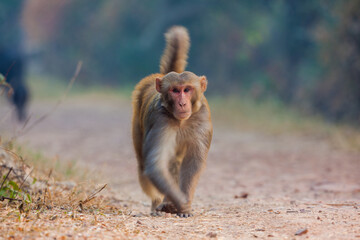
203 83
158 85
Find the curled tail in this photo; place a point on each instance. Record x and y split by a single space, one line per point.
176 51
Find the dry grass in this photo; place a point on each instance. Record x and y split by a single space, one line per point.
59 206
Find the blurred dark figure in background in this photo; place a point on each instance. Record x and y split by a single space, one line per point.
12 67
12 55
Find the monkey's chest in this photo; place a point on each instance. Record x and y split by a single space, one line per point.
186 137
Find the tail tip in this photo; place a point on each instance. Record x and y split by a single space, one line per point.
177 29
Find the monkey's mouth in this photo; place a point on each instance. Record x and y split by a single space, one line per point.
183 115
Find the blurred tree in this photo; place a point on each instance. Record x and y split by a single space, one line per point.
296 42
295 50
338 94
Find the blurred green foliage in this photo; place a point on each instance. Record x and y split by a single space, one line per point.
305 53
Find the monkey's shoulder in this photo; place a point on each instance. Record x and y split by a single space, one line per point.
147 82
145 89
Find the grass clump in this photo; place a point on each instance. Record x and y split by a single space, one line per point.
37 192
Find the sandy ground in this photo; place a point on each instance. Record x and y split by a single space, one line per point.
255 185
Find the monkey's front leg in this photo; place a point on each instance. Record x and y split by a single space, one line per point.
164 183
174 169
159 148
189 176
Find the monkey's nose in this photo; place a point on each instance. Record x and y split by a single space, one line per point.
182 104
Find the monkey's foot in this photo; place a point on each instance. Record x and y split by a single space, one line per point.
167 207
185 215
156 214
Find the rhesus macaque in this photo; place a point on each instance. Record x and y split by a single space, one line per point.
171 129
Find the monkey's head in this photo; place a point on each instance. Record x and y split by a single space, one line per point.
182 94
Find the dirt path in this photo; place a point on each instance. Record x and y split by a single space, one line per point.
255 185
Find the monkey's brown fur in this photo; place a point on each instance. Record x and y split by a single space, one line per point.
171 135
176 51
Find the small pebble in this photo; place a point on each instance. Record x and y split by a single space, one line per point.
301 232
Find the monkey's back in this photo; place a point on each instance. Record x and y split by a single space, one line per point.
143 96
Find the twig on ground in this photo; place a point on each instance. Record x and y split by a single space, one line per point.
47 184
22 183
2 198
12 153
2 184
49 175
91 197
26 121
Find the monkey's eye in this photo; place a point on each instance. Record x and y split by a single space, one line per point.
175 90
187 89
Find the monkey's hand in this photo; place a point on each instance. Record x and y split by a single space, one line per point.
167 207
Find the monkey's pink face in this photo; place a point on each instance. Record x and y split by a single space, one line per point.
181 96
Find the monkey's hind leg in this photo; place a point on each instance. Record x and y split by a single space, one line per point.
152 192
